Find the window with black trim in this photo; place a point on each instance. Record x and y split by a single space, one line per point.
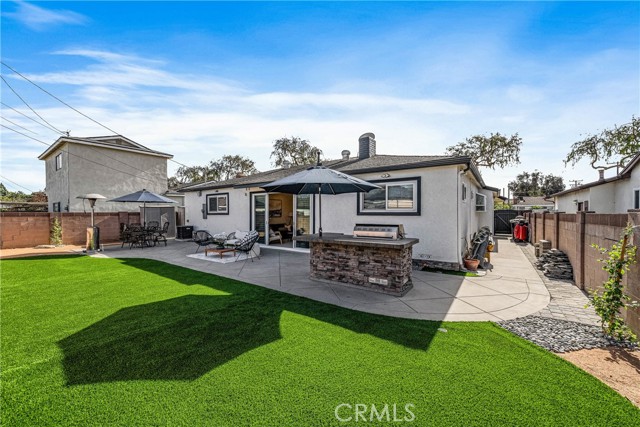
394 197
218 204
56 206
636 198
464 192
59 162
481 202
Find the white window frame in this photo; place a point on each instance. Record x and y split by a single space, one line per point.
218 211
58 161
387 209
481 207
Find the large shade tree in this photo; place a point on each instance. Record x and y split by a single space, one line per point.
229 166
536 184
611 148
294 150
493 151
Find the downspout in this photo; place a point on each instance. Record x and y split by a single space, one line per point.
458 217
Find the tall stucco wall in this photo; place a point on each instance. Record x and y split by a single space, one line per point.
111 173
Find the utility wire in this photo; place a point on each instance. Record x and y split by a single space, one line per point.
76 155
34 111
30 118
21 127
74 109
15 183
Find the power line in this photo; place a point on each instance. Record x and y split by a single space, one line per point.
21 127
74 109
15 183
76 155
30 118
34 111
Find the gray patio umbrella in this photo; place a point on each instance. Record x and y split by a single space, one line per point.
143 197
319 180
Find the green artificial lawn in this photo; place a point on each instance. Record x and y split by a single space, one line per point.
451 272
90 341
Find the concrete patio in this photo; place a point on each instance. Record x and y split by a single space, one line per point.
511 289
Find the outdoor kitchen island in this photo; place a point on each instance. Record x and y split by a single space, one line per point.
380 265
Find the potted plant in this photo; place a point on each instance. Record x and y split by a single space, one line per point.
470 263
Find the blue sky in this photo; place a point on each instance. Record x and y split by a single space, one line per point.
203 79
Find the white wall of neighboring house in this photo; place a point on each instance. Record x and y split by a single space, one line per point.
609 197
441 226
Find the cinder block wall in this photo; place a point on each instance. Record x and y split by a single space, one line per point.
29 229
23 229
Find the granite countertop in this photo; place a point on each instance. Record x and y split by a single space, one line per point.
349 240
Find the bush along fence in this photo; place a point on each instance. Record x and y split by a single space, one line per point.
574 234
29 229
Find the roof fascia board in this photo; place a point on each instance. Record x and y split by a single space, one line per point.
60 141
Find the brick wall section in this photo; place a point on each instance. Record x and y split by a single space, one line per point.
355 264
23 229
29 229
576 233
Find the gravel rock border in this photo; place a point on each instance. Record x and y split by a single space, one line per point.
560 336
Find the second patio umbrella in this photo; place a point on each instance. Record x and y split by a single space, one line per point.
143 197
319 180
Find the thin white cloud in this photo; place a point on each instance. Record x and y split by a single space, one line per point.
40 19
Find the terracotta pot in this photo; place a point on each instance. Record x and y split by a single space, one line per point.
471 264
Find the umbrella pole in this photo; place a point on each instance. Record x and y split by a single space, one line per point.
320 210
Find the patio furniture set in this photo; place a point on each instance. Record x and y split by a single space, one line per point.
222 243
137 235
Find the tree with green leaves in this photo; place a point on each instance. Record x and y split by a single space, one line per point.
611 148
295 150
229 167
217 170
536 184
492 151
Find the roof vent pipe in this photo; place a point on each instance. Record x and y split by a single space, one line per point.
366 146
345 154
601 173
286 164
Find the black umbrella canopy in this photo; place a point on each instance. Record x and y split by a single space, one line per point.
143 196
319 180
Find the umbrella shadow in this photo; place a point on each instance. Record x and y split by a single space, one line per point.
177 339
186 337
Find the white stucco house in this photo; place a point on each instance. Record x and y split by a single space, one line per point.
108 165
527 203
441 200
616 194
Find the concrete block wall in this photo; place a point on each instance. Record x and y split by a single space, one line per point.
23 229
29 229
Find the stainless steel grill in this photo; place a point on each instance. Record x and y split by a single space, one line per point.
379 231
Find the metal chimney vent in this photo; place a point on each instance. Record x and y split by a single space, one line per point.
366 146
345 154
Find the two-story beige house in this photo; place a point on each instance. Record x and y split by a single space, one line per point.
108 165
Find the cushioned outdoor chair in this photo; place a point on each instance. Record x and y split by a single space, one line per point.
246 245
203 238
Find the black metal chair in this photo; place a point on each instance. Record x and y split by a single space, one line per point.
160 235
203 238
246 245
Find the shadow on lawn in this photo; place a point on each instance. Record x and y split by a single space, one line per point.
186 337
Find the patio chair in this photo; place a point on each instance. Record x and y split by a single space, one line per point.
246 244
203 238
125 234
275 236
161 234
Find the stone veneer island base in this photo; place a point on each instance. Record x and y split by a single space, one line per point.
376 264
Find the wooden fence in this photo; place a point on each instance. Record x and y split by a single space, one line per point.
575 233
